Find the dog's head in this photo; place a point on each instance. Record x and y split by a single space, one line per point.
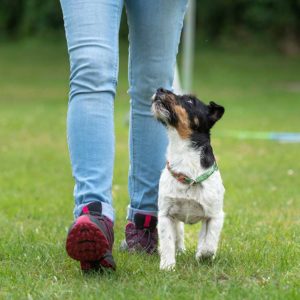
187 114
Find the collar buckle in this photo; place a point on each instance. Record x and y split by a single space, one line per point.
193 182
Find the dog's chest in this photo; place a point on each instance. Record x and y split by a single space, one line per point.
185 210
190 204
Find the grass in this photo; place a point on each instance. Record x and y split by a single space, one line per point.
259 251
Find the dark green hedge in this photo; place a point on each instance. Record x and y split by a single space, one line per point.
269 17
275 19
29 17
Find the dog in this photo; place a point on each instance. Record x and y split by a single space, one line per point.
190 186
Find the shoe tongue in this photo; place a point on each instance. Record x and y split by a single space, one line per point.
94 209
145 221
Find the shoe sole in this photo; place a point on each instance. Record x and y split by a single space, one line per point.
86 242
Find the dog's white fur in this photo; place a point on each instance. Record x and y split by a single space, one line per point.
180 203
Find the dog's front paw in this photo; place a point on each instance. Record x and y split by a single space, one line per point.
167 266
180 250
205 254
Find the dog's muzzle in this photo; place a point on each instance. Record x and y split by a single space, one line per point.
160 95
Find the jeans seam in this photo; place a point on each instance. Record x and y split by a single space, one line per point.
116 64
132 183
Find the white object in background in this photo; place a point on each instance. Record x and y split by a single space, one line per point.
188 47
176 83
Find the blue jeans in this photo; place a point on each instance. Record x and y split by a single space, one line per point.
92 28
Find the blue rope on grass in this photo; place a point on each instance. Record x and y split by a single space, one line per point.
284 137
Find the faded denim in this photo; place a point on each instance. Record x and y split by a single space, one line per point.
92 28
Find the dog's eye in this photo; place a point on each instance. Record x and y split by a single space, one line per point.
190 101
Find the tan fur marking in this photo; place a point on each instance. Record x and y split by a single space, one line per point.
170 98
196 121
183 126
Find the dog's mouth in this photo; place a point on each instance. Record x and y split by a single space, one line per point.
162 102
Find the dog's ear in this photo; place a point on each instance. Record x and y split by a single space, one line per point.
215 112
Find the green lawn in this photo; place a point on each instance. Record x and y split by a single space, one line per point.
259 250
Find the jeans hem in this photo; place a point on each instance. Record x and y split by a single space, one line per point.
132 211
107 210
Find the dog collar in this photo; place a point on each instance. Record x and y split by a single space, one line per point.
190 181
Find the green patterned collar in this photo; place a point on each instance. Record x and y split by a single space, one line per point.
190 181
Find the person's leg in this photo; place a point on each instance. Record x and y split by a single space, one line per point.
92 28
154 33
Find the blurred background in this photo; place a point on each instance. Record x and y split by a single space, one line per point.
272 22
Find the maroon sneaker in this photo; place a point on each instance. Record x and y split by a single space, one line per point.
90 239
141 236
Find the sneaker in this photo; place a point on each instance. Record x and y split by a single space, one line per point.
141 236
90 239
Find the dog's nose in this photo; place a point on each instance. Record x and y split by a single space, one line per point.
161 91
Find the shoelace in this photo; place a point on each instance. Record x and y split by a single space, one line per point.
145 231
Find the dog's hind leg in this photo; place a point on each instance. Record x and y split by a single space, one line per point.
209 237
167 238
180 237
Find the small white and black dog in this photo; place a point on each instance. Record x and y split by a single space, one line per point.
190 187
